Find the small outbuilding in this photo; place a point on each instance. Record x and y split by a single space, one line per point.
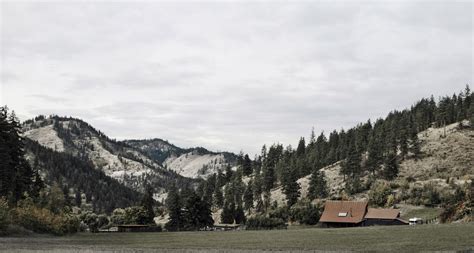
343 213
381 216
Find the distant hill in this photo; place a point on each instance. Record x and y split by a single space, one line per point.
117 160
190 162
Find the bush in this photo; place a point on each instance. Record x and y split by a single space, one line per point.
4 214
379 193
305 213
264 223
136 215
41 220
118 216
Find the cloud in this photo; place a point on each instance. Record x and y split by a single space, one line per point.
230 76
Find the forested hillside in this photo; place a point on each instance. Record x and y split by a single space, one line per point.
80 181
115 159
362 161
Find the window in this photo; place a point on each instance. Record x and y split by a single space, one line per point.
342 214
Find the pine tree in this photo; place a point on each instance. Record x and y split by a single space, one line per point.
174 206
351 166
317 185
301 150
390 166
248 196
218 197
148 203
415 146
375 153
247 165
291 188
78 198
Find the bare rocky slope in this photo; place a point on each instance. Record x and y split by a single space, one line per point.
192 162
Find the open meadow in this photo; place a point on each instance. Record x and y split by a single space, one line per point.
452 237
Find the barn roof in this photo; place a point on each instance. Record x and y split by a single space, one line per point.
344 211
380 213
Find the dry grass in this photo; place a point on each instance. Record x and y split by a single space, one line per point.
387 238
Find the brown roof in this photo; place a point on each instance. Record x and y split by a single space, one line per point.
379 213
344 211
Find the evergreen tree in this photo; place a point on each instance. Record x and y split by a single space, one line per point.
197 213
301 150
247 165
78 198
317 185
351 166
375 153
147 203
291 188
239 215
415 146
218 197
390 166
248 196
174 206
227 215
16 175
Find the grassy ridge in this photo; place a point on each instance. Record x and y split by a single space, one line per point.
394 238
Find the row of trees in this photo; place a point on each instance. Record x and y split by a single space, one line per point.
187 210
16 175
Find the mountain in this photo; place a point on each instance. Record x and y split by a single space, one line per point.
190 162
91 188
117 160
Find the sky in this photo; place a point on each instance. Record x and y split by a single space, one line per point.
230 76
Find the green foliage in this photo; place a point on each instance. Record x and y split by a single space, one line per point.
317 185
227 215
264 223
42 220
118 217
427 195
379 194
248 196
4 215
197 213
305 213
16 174
136 215
390 170
147 203
174 205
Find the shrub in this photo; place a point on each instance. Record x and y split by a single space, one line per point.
41 220
305 213
379 193
136 215
4 214
263 222
118 216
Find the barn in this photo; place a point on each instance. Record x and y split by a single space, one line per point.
343 213
380 216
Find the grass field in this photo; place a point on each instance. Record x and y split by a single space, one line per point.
454 237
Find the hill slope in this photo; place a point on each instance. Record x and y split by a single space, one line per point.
192 162
444 158
115 159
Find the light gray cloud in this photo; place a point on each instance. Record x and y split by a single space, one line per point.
230 75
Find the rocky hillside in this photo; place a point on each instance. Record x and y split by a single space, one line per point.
192 162
117 160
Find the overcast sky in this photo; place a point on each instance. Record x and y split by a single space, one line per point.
230 76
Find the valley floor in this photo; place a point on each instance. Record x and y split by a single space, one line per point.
452 237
